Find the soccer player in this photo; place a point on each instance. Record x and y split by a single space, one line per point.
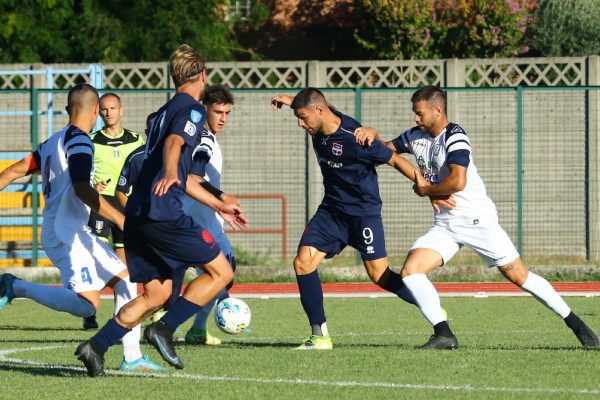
350 212
112 145
86 264
161 241
444 156
206 169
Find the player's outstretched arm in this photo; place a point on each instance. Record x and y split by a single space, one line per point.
172 151
403 166
231 213
279 100
21 168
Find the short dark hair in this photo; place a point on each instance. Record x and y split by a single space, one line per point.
430 93
77 95
217 94
116 96
307 96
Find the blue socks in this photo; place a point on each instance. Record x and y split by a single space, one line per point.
179 312
392 282
311 297
110 334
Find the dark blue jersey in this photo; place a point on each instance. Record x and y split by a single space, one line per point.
182 116
131 170
348 169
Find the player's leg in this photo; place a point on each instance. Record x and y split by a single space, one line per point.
543 291
78 295
198 333
429 252
91 352
366 235
183 243
101 228
324 237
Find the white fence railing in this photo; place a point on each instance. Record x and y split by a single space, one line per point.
562 71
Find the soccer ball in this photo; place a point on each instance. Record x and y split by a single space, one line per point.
232 315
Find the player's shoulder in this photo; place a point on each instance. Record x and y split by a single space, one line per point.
74 134
454 129
412 133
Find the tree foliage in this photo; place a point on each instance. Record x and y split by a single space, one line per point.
565 28
52 31
423 29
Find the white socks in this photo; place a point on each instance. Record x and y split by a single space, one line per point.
545 293
57 298
426 296
125 291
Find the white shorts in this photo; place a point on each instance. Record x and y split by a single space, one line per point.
87 264
486 238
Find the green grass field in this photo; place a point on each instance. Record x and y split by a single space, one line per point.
509 348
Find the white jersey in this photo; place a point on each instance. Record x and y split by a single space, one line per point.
433 155
208 151
65 215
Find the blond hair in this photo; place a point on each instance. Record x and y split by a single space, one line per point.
186 65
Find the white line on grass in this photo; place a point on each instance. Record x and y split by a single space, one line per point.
311 382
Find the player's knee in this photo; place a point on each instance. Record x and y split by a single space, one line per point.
301 266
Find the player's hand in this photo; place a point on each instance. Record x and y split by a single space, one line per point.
230 199
100 186
279 100
365 136
162 186
421 185
234 216
446 201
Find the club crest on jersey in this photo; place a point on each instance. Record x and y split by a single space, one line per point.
122 180
190 128
436 149
336 149
195 116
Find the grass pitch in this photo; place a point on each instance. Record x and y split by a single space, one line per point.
509 348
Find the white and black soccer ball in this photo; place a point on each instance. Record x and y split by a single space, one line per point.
232 315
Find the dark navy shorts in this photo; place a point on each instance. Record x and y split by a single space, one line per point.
330 231
165 249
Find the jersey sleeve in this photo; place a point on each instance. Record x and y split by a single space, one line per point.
202 154
402 143
188 125
80 156
458 147
377 153
35 162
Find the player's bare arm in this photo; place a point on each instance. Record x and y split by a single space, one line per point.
172 151
279 100
454 182
25 166
96 202
232 214
224 197
121 198
403 166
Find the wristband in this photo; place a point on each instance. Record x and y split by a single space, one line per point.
212 190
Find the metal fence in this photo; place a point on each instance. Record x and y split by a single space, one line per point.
535 147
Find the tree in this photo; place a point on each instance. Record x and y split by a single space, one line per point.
564 28
59 31
423 29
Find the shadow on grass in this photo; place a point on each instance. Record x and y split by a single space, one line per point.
40 328
53 371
